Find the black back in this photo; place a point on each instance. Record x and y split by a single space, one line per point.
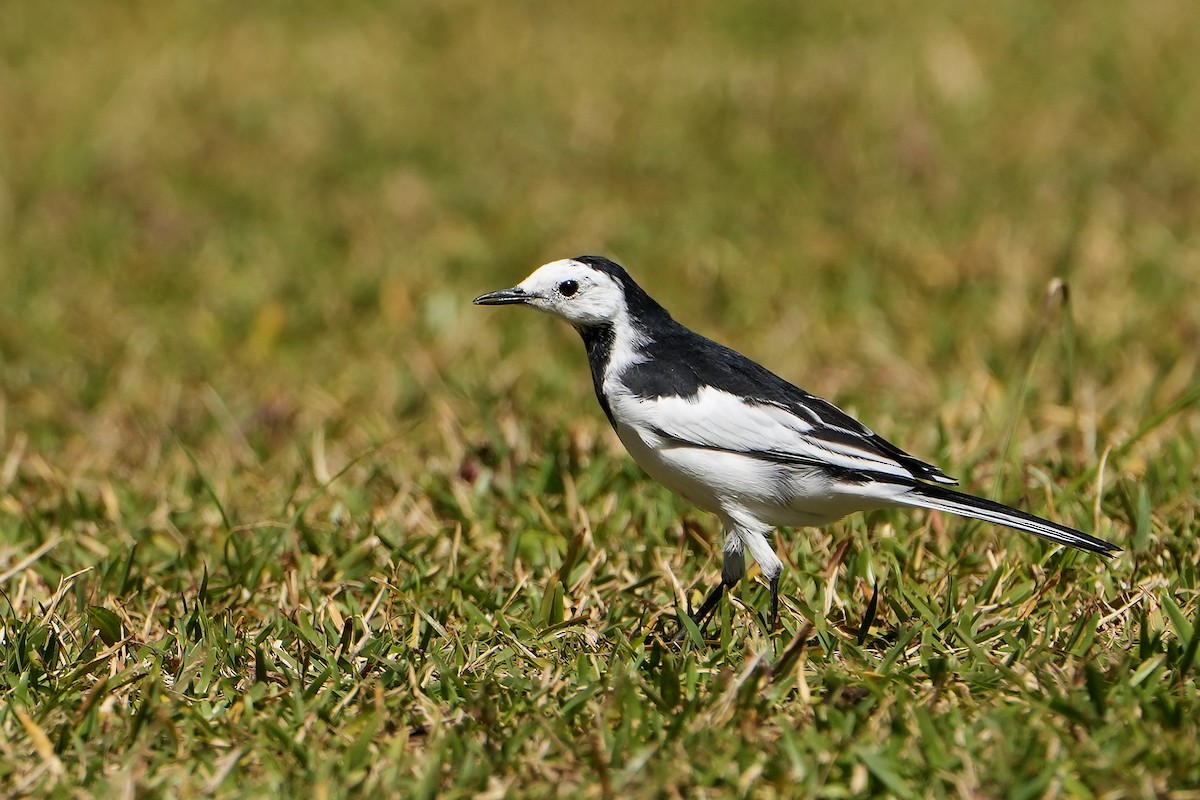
680 362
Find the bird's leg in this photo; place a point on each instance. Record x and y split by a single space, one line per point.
709 606
757 538
702 615
774 601
733 566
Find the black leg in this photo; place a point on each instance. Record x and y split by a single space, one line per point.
774 602
702 614
709 606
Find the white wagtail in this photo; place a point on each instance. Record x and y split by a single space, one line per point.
732 437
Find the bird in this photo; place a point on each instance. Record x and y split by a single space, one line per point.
732 437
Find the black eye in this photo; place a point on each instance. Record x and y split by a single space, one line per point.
568 288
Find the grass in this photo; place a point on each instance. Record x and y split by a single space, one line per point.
281 512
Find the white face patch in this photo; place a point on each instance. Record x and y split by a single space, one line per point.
575 292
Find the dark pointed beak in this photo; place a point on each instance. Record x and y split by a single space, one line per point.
504 297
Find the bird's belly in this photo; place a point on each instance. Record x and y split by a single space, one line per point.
681 472
723 482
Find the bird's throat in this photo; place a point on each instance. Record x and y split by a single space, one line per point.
598 341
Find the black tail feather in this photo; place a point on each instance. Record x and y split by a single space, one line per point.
939 498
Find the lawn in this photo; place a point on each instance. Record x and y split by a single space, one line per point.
282 513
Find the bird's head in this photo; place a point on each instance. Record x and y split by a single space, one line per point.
586 291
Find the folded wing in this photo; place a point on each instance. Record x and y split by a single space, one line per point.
718 420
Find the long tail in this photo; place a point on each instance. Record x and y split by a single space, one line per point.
939 498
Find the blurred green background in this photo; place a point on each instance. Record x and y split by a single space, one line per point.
294 198
238 245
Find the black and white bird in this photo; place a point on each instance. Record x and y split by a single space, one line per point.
731 436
